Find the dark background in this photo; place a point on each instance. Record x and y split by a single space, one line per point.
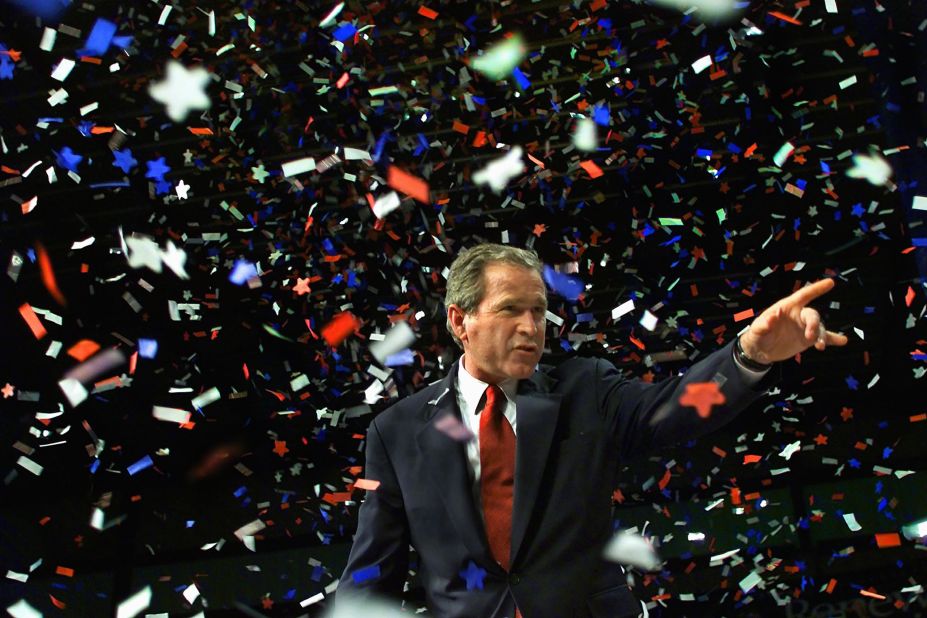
672 145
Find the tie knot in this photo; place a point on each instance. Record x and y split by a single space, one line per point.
494 397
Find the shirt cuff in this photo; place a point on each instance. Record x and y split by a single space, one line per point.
750 375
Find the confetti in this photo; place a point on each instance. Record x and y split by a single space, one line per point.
631 549
182 91
702 396
498 173
500 60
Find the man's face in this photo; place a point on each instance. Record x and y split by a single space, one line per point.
504 337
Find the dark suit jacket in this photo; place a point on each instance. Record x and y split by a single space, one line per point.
576 423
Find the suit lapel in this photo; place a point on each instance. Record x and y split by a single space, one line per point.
447 467
537 412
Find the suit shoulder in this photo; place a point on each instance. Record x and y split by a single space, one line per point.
409 407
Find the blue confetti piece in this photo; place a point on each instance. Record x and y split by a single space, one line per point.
520 79
704 153
601 115
474 576
563 284
147 348
99 39
242 271
366 574
919 242
141 464
404 357
344 32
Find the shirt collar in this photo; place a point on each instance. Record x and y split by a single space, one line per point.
472 389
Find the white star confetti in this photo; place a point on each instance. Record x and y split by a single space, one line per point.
873 168
182 189
633 550
498 173
501 59
586 135
182 90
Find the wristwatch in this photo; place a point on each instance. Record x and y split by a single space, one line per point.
746 361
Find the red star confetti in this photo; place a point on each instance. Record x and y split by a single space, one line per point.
702 396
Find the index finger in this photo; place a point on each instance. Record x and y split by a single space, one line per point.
808 293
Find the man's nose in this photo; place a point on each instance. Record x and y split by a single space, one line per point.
527 323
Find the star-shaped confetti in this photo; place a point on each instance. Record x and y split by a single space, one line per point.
474 576
302 286
123 160
872 168
182 189
7 390
702 396
157 168
143 251
498 173
259 173
68 159
182 90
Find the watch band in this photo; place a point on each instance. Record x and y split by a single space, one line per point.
746 361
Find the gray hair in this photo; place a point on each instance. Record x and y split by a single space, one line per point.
465 284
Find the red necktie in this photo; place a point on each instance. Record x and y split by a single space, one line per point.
497 475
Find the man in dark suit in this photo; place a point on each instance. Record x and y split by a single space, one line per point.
501 474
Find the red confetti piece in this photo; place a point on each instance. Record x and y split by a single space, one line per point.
83 349
702 396
460 127
748 459
888 539
48 275
368 484
664 481
743 315
342 80
32 320
874 595
341 326
909 297
200 130
57 603
424 11
785 18
280 447
66 571
404 182
591 168
830 586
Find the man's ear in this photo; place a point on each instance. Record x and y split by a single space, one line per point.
456 316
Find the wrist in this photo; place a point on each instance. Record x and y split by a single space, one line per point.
744 359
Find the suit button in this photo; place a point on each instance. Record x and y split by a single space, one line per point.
514 579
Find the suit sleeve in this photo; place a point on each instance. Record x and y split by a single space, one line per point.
379 558
641 415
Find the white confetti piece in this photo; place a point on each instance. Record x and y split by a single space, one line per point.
182 90
63 69
783 154
298 166
830 6
790 450
701 64
920 203
874 169
135 604
622 309
750 582
648 321
386 204
712 9
48 39
501 59
846 83
356 154
22 609
499 172
204 399
633 550
398 338
585 138
851 522
191 593
170 415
